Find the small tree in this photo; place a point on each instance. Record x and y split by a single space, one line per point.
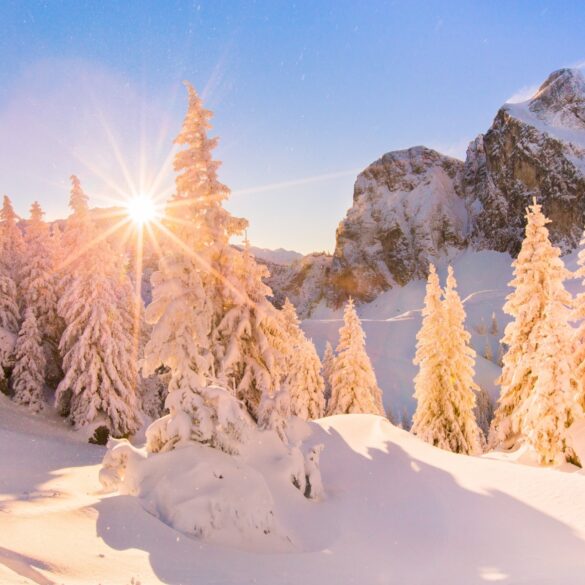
99 386
444 386
11 241
538 386
302 369
354 389
328 359
29 371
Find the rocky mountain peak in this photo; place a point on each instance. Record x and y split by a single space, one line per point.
563 92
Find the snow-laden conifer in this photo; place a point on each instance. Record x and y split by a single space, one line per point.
28 376
38 278
97 346
538 385
11 241
302 369
9 312
212 324
354 389
328 358
444 386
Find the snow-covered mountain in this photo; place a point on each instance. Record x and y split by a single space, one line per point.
417 206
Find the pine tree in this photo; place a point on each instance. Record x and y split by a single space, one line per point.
29 371
538 386
488 354
328 359
302 369
249 343
11 241
212 323
9 313
97 345
354 388
444 386
37 281
494 328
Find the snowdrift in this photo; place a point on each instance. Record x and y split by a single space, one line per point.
396 511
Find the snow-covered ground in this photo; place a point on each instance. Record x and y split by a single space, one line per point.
396 511
392 321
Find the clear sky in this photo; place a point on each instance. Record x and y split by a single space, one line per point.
305 94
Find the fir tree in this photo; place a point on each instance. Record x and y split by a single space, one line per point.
37 282
97 345
354 388
538 385
444 386
9 313
303 369
28 375
212 323
11 241
494 328
328 359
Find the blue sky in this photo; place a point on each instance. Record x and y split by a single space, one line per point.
305 94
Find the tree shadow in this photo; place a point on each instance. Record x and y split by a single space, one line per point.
389 518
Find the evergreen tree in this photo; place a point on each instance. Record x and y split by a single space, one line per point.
538 383
11 241
302 369
97 345
354 388
328 359
28 375
212 323
444 386
488 353
494 328
9 313
37 282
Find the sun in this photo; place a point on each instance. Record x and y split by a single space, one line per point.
141 209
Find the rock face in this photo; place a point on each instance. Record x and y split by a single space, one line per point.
407 209
415 206
533 149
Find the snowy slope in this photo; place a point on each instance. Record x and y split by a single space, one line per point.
391 323
397 511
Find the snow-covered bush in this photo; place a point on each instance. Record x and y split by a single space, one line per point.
211 416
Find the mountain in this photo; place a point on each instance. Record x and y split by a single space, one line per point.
416 206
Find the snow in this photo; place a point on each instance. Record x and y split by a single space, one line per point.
393 319
395 511
278 256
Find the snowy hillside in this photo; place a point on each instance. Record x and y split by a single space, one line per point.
396 511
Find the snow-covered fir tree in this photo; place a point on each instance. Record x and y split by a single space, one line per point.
37 281
538 382
579 316
328 358
28 376
78 235
9 312
444 386
97 346
303 369
249 343
354 388
494 327
11 241
212 324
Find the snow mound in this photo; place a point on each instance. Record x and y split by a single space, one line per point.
224 499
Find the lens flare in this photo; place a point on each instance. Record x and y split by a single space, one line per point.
141 209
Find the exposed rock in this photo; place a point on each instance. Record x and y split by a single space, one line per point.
407 209
416 206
